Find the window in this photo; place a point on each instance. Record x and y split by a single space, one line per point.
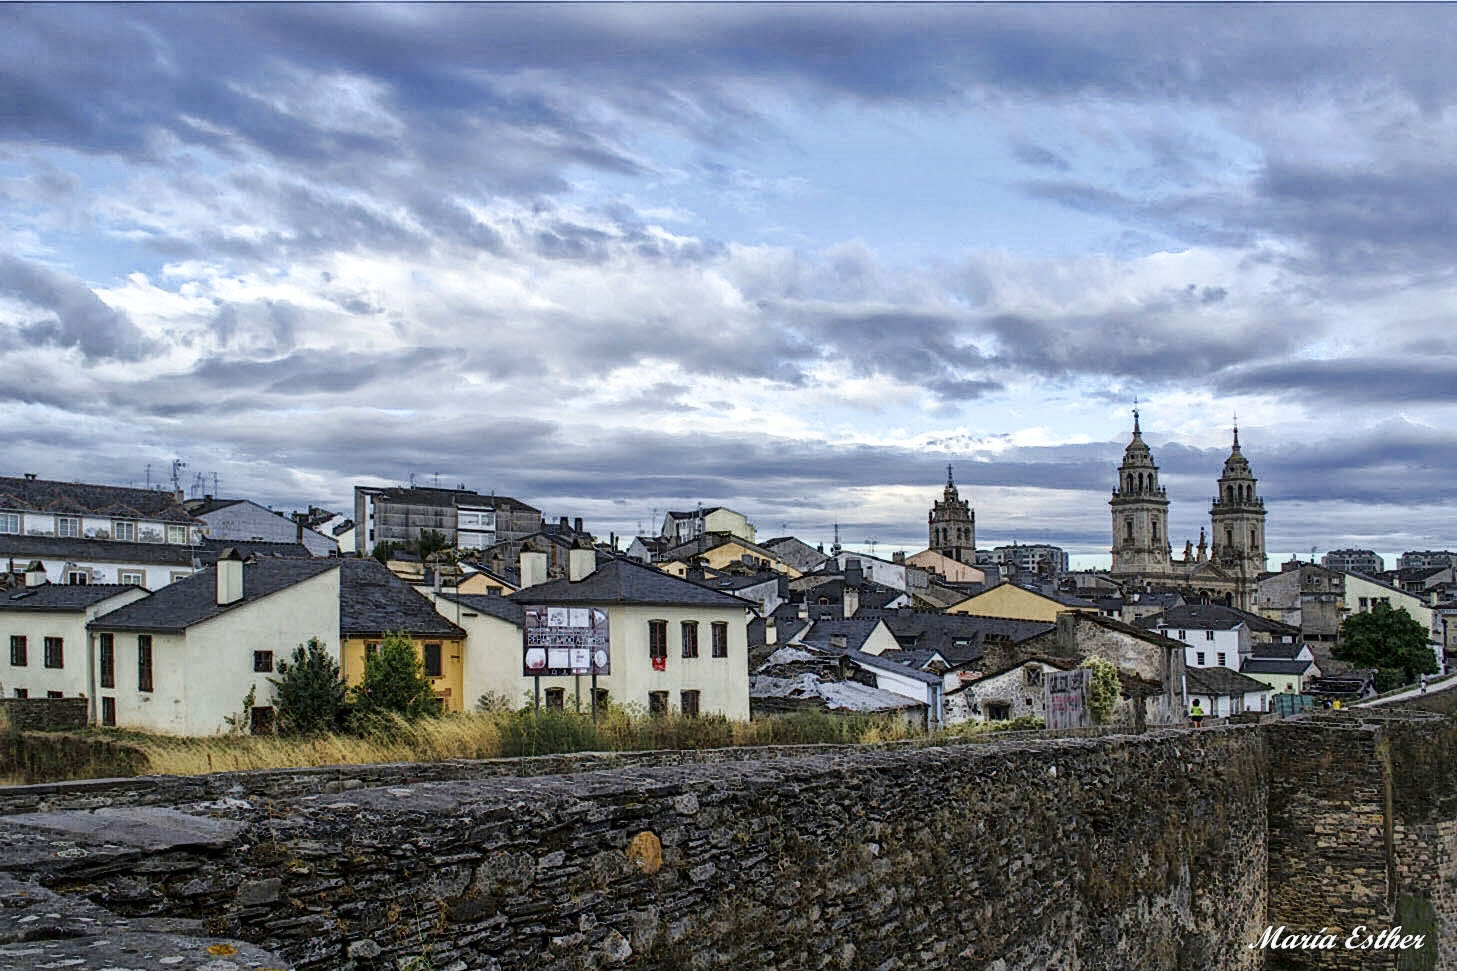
261 720
176 575
1209 635
690 638
657 703
720 638
688 700
1128 527
1363 603
556 698
108 711
1199 659
55 653
78 578
432 660
1155 529
22 693
177 535
1221 655
124 529
144 662
658 644
601 698
69 526
263 661
55 694
371 648
108 660
17 650
132 576
9 522
1253 541
1183 635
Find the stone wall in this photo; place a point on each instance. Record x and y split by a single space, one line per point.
1108 853
1169 850
45 714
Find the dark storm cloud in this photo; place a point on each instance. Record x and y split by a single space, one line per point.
1368 381
77 317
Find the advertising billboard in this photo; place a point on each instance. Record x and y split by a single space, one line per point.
564 641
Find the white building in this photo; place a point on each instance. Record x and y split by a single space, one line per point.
246 520
182 660
1222 692
43 628
1213 636
680 527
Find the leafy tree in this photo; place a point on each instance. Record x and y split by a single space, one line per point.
384 548
394 682
308 694
1388 640
431 541
1104 689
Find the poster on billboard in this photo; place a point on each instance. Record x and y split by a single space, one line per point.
564 641
1066 698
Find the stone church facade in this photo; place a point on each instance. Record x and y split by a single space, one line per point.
1222 572
952 525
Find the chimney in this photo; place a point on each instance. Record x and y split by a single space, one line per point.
577 525
35 574
854 576
851 600
581 560
771 631
564 522
230 576
533 567
30 477
899 556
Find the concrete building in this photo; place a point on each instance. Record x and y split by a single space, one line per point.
1359 561
951 525
1415 559
232 520
1212 635
44 628
674 645
467 519
181 661
1222 692
1305 595
680 527
1031 558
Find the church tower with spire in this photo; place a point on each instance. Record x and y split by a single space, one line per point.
952 524
1238 520
1140 514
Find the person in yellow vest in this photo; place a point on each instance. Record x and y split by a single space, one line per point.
1336 705
1196 713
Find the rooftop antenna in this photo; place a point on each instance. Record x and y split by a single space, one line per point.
412 480
149 476
177 466
835 547
215 491
437 480
872 542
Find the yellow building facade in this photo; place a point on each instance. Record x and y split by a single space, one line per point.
1016 603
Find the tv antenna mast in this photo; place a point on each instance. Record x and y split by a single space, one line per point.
177 466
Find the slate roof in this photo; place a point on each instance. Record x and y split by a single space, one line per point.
493 606
624 581
93 550
1220 681
834 695
956 637
421 496
1197 617
855 630
704 543
343 527
374 602
201 507
892 667
210 548
1277 651
1264 665
71 598
43 495
185 603
731 581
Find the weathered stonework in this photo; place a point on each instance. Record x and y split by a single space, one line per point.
45 714
1151 851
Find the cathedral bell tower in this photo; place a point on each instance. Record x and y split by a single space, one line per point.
1140 513
1238 518
952 524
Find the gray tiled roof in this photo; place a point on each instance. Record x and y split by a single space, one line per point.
76 497
1220 681
501 608
62 597
421 496
627 582
201 507
1197 617
892 667
374 602
1276 651
1265 665
855 630
93 550
185 603
210 548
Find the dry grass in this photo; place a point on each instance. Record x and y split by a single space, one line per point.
496 734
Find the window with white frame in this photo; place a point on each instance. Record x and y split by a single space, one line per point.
177 535
78 577
124 529
132 576
9 522
69 526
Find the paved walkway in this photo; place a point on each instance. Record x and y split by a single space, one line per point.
1445 683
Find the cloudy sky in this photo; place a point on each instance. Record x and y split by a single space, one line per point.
792 259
